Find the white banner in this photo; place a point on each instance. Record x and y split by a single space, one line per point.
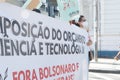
37 47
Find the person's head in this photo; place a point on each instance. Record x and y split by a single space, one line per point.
82 22
82 19
36 10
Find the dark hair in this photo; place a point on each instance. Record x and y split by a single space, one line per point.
80 19
36 10
75 23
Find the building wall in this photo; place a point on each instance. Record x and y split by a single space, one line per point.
109 39
110 16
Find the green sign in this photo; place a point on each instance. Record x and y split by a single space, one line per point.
68 9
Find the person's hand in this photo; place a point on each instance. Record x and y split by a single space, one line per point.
116 58
89 42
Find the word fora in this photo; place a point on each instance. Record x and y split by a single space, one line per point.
46 72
